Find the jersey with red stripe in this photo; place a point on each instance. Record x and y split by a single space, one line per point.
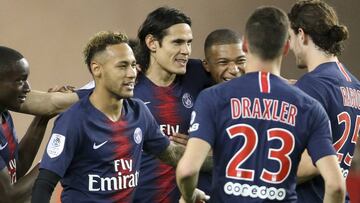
338 91
258 126
171 107
97 159
8 145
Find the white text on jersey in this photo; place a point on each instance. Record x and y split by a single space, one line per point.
271 109
169 129
126 177
351 97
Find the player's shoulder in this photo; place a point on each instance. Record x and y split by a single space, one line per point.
195 70
194 63
326 74
86 89
135 104
76 112
7 116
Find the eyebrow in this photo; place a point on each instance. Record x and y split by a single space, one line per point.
179 40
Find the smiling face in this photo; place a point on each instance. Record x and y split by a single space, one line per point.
225 62
116 71
171 54
14 85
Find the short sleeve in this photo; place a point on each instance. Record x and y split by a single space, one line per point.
320 138
64 140
155 141
202 124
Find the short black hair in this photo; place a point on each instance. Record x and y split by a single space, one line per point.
267 32
221 37
156 24
8 59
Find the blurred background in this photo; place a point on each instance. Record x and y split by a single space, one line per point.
52 34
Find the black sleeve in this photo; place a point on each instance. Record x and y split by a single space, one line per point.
44 186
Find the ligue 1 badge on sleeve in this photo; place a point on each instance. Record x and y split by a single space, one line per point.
56 145
187 100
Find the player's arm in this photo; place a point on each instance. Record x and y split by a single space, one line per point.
44 186
182 139
187 171
30 143
172 154
306 169
19 191
47 103
334 181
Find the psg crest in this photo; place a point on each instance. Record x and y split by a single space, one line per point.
187 100
137 135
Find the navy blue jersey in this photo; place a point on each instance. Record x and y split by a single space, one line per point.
97 159
338 91
8 145
258 126
171 107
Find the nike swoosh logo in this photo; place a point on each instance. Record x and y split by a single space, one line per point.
2 147
146 103
100 145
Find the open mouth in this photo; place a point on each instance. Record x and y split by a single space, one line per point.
227 78
22 98
129 85
182 62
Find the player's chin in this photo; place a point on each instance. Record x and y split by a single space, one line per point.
127 94
16 104
180 71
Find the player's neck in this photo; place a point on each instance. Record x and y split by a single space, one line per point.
107 104
255 64
316 57
160 76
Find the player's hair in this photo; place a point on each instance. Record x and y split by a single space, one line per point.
320 22
99 42
8 59
221 37
156 24
267 32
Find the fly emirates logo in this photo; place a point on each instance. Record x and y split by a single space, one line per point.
126 177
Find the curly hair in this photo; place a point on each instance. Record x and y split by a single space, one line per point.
100 41
320 22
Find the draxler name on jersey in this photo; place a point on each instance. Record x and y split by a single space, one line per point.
126 177
273 109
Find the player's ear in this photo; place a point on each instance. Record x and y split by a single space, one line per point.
245 45
303 36
150 41
95 68
205 65
286 47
